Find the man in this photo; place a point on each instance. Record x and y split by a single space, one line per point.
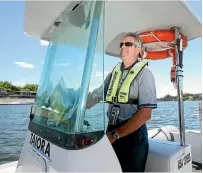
131 94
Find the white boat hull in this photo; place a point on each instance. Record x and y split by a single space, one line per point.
165 136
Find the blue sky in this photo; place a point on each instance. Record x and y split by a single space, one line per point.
22 56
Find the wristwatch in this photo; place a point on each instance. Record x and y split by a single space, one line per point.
115 135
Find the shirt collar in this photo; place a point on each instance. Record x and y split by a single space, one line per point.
128 68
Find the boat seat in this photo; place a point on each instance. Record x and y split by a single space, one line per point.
166 156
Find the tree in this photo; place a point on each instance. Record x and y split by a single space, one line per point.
15 88
30 87
10 87
6 85
186 96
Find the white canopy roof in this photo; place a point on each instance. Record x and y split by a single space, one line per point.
120 17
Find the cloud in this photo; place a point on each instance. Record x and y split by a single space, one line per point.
24 65
44 43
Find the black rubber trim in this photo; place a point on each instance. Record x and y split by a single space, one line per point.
172 136
62 139
196 165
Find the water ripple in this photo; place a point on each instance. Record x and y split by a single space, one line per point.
15 118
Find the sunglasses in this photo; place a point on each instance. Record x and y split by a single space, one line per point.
128 44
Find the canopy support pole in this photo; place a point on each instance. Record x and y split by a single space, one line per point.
88 67
179 82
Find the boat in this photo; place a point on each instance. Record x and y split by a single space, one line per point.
81 33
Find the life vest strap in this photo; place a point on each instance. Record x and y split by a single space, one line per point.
130 101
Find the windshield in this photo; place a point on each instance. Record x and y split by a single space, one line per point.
68 110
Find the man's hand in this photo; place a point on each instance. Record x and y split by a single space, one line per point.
141 117
111 139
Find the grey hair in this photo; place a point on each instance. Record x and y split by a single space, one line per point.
137 37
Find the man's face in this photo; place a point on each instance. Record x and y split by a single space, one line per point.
129 52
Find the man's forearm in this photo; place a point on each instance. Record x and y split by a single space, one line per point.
135 122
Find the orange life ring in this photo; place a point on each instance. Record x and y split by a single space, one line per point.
160 36
157 55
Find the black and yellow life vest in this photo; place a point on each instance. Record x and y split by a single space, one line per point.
122 93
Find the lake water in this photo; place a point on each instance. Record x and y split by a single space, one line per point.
15 119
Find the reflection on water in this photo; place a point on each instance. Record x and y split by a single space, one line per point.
13 127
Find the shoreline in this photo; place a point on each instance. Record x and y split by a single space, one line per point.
16 101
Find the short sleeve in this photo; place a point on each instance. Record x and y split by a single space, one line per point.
147 90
